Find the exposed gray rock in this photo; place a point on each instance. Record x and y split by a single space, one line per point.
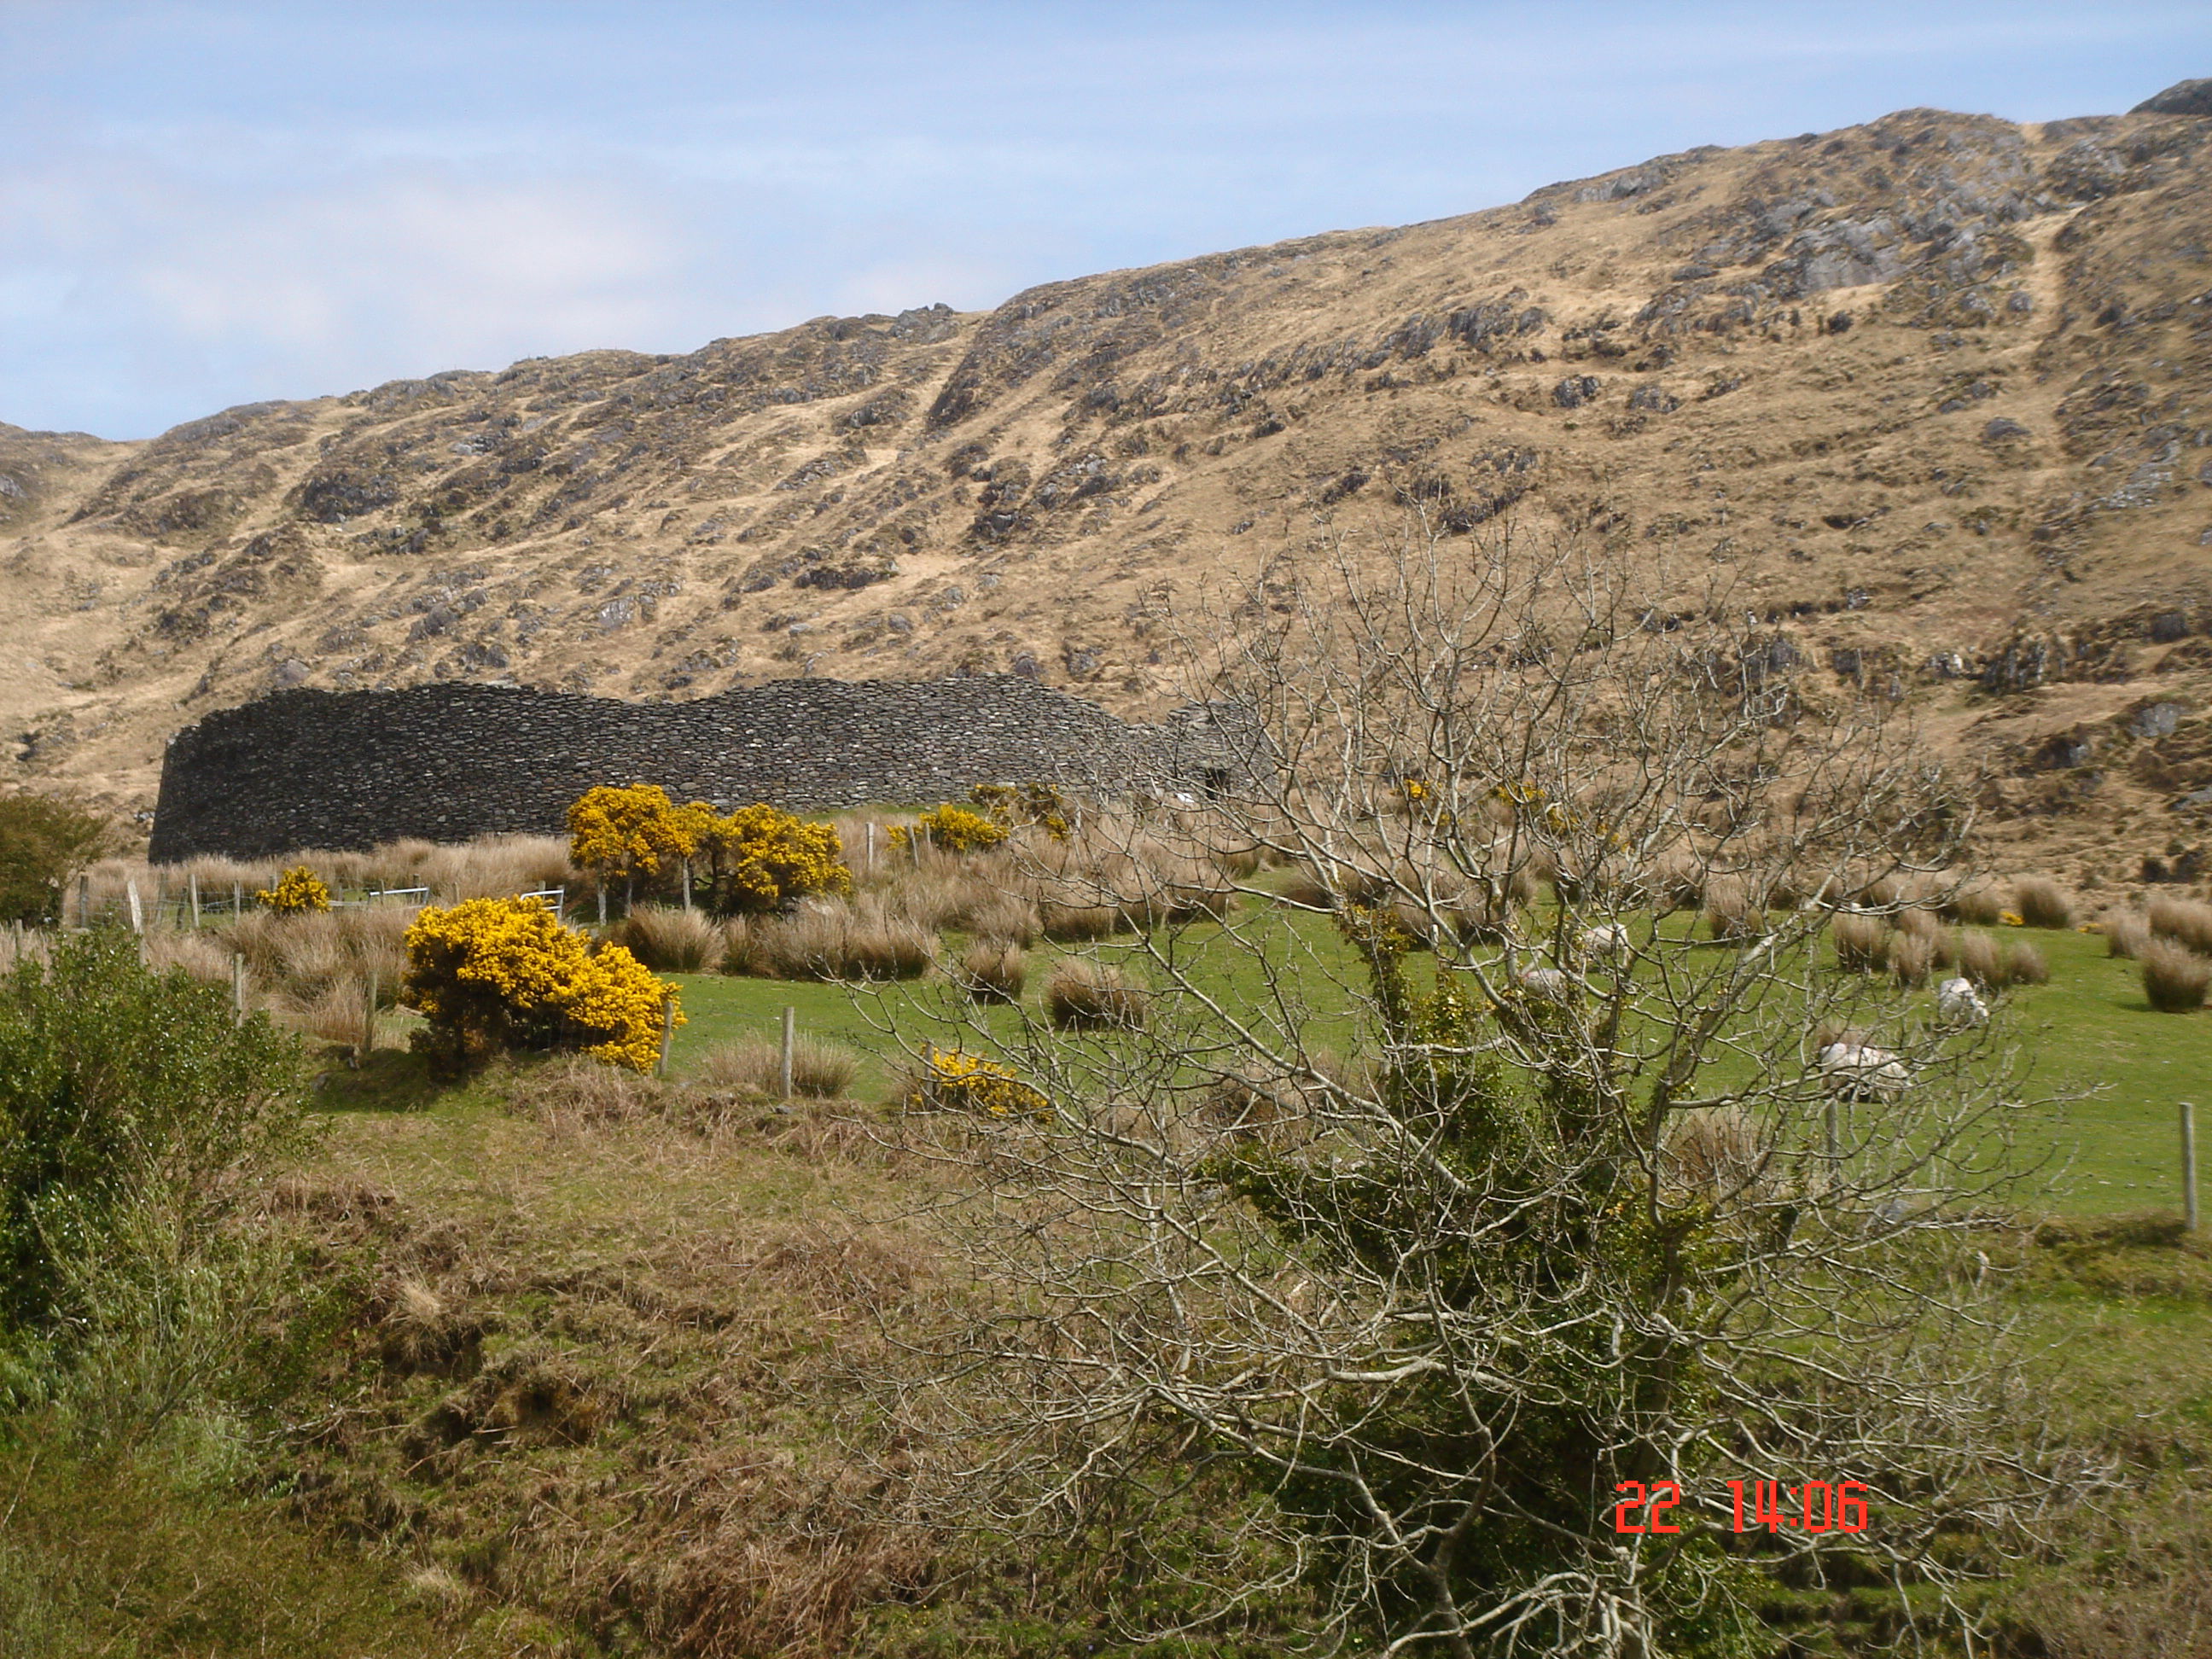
2000 429
2182 98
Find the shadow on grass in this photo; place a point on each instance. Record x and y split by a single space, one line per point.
389 1080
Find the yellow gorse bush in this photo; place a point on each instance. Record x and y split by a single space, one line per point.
953 829
631 832
759 857
764 858
971 1083
1010 804
493 975
297 890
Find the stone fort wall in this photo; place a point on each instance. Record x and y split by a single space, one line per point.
446 762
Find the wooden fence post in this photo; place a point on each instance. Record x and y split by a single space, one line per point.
2188 1163
84 901
687 883
237 900
368 1021
238 985
137 910
868 863
192 885
790 1043
667 1029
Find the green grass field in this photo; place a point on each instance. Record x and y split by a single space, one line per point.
2089 1033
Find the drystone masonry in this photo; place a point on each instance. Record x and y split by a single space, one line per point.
446 762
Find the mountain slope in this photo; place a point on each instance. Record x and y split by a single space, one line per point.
1934 393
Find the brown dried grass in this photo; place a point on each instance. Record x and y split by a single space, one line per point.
1086 995
1978 959
2126 932
2185 922
754 1066
996 970
829 940
2039 903
669 940
2174 979
1861 943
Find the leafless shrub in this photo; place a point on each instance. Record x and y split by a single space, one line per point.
2184 921
1085 995
994 970
2174 979
669 940
1336 1326
2039 903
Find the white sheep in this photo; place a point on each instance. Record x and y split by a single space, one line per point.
1960 1003
1858 1071
1549 983
1607 939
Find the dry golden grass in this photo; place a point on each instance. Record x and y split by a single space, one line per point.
996 970
2126 932
829 939
1861 943
2039 903
1979 904
2174 979
1978 959
1086 995
1911 958
2024 965
820 1070
2185 922
669 940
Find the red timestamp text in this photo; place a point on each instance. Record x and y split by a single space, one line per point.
1813 1506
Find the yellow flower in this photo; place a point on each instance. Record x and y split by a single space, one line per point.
491 974
298 889
952 1079
2011 919
955 829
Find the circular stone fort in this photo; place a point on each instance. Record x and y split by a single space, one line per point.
348 769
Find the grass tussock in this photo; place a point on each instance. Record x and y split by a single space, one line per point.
1010 919
1911 958
302 956
1978 959
829 941
1978 905
669 940
2185 922
1861 943
2039 903
754 1066
2024 965
996 970
2126 932
2174 979
1085 995
574 1090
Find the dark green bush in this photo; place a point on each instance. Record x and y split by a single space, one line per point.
121 1089
44 841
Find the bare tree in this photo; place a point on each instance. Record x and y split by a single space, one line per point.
1497 1143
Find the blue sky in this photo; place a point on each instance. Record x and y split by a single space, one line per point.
208 204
